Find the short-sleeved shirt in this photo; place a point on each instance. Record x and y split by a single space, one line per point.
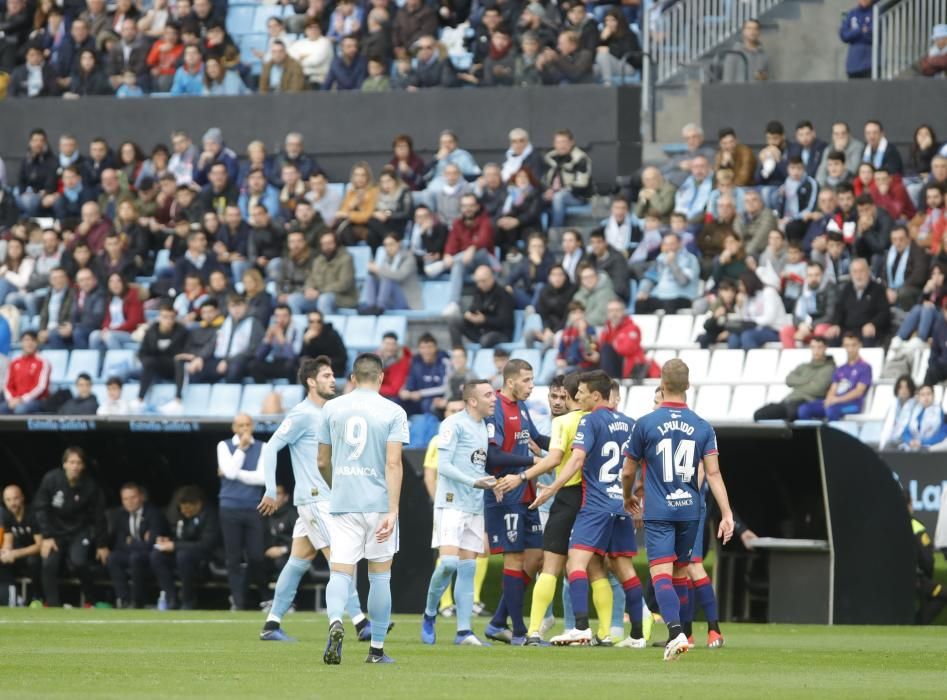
563 433
510 428
673 440
300 432
359 427
461 461
601 435
24 531
848 376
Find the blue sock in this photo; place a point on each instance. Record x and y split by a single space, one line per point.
618 602
683 595
379 606
353 606
463 593
668 600
579 593
338 591
514 590
704 592
499 617
286 586
630 591
440 580
568 616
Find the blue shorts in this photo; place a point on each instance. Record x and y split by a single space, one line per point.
513 528
604 533
670 540
697 553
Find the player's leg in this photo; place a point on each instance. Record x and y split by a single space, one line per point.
301 555
631 592
544 591
471 545
601 600
349 533
660 540
448 525
480 575
380 556
506 541
704 595
446 605
577 574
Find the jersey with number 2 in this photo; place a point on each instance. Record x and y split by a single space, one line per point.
673 440
601 435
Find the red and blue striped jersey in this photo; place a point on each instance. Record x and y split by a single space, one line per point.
510 428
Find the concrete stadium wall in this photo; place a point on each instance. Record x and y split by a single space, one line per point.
901 105
343 127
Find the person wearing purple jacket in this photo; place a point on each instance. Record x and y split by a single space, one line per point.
850 383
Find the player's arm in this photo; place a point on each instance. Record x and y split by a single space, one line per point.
324 462
268 460
393 475
430 482
501 463
570 470
719 490
543 466
446 468
629 475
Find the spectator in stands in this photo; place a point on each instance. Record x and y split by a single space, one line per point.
281 73
770 161
193 538
448 153
594 292
220 191
37 174
470 244
935 61
136 528
678 168
57 306
723 303
850 383
430 69
188 302
129 54
656 194
937 366
755 63
256 190
904 271
292 193
528 276
618 50
407 163
348 70
293 153
70 510
862 309
427 377
489 319
200 344
872 229
460 374
396 360
619 228
392 281
568 178
428 238
123 314
20 545
808 383
83 401
926 222
710 239
324 200
551 304
321 338
88 313
448 195
164 56
756 223
276 356
189 77
521 213
890 194
763 312
237 341
568 64
808 147
79 40
577 350
924 312
899 413
735 156
671 283
27 383
731 263
351 220
195 261
414 20
34 78
878 151
162 343
832 253
795 198
309 222
215 151
610 262
817 222
521 154
691 199
114 404
813 310
526 68
265 241
15 272
314 52
834 172
490 190
619 345
294 269
331 283
856 31
843 142
925 427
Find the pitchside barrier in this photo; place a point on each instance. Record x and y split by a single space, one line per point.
836 543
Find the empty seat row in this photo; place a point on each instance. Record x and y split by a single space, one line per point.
211 400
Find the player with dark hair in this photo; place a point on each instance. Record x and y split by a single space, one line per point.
514 530
673 440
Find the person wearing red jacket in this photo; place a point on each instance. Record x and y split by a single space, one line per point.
469 245
396 359
27 380
890 194
123 314
619 340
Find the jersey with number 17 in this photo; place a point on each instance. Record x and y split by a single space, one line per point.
673 440
601 435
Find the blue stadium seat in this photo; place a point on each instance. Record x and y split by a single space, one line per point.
100 391
361 254
483 363
360 332
390 323
338 322
240 19
80 361
533 357
58 361
434 296
549 369
292 394
223 398
300 322
263 14
247 43
117 363
195 399
337 188
130 391
253 395
160 394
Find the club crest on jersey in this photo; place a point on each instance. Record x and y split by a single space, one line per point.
679 499
59 499
479 458
491 430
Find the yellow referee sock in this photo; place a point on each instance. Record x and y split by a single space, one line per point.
602 601
480 575
544 590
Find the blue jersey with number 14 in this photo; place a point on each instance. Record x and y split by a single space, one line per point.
601 435
672 440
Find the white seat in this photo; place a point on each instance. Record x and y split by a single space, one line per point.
788 361
920 365
841 357
697 362
648 323
876 358
760 367
675 331
846 426
640 401
698 327
662 356
726 366
880 402
746 399
713 402
776 393
871 432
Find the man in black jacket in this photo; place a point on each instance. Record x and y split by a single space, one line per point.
70 510
88 313
201 341
862 308
37 174
20 546
610 262
135 530
321 338
490 318
872 230
431 70
163 341
188 548
83 402
20 84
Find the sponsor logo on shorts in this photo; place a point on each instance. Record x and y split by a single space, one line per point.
679 499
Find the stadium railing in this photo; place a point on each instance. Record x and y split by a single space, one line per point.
900 34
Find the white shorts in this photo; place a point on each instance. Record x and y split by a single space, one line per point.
543 519
353 538
313 522
455 528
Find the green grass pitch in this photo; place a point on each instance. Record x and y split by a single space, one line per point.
145 654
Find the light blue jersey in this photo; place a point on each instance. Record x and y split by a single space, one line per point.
461 460
300 431
359 427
